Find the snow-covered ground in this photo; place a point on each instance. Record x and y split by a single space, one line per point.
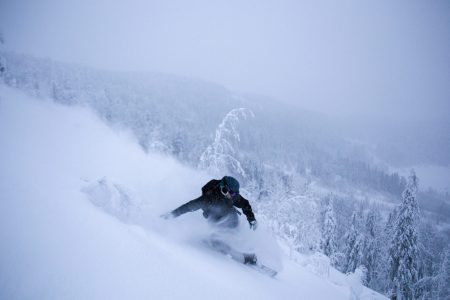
79 219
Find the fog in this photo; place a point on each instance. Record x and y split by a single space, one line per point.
344 58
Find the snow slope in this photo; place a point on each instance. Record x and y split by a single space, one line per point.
79 209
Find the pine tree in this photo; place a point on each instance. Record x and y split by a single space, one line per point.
444 282
353 246
428 285
385 243
328 242
371 253
389 229
404 250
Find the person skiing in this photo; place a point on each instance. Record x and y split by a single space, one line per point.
218 201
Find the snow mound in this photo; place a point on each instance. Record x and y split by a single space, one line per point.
115 199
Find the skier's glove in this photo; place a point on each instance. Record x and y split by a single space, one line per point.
253 224
167 216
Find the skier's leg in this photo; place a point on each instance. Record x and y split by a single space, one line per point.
229 224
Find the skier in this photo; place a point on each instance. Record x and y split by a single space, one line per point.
218 201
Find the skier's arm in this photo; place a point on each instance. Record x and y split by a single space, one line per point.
243 203
192 205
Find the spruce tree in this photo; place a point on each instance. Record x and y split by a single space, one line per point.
353 246
404 250
384 260
444 282
328 243
372 248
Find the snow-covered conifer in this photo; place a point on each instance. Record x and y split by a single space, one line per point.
353 246
328 242
444 282
404 250
389 228
371 253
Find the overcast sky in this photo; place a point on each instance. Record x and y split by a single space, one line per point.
339 57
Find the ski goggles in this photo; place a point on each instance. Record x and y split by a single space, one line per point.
226 191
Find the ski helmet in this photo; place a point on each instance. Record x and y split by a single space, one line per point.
231 183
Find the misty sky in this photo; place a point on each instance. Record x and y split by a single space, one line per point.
333 56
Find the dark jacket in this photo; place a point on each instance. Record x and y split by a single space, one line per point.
216 207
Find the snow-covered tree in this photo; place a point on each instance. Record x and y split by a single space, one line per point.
389 228
353 245
404 250
430 263
371 257
295 218
220 157
444 276
383 281
328 242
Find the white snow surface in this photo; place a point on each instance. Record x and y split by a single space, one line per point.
79 219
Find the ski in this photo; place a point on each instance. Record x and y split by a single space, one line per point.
263 269
247 259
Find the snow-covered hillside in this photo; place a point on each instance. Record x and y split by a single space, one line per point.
80 206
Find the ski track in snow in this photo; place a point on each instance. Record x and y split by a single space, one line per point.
80 206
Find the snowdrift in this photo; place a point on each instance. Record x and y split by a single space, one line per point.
79 220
